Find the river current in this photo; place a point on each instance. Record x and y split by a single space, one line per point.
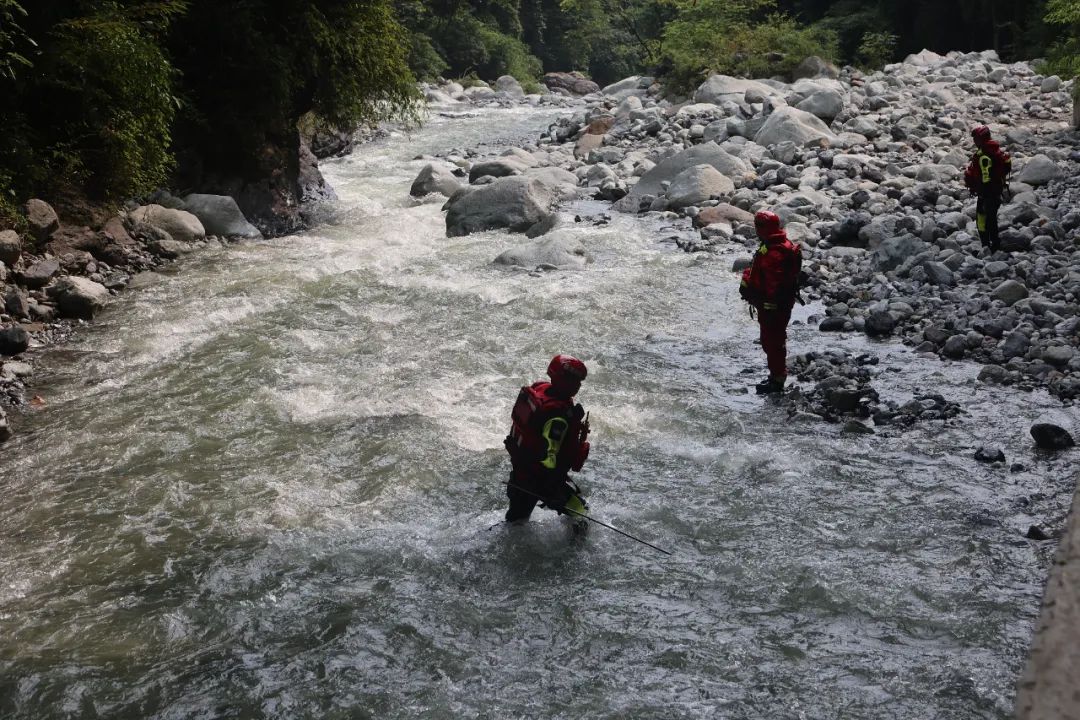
268 485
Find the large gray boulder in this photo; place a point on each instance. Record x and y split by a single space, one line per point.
10 247
39 274
1039 170
652 182
515 203
560 248
434 179
1009 292
179 224
572 82
497 167
815 67
41 218
78 297
924 58
563 183
13 340
719 88
825 104
893 251
220 215
634 86
788 124
509 85
697 184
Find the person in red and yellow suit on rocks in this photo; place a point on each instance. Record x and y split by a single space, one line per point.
771 286
547 440
987 177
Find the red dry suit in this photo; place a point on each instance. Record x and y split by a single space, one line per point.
988 170
770 284
547 439
987 177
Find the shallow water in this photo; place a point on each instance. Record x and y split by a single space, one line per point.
265 486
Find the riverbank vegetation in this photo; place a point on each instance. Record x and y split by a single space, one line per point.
106 99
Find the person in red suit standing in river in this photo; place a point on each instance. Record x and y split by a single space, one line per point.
771 286
547 440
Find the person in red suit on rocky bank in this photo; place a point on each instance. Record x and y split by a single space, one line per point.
771 286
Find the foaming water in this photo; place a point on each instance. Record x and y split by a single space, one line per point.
269 485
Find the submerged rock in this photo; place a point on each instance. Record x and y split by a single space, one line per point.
1049 436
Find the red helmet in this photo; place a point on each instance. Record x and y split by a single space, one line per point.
566 370
981 135
767 223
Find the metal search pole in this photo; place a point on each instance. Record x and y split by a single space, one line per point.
590 519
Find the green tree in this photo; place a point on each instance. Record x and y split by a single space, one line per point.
1064 54
737 37
93 113
13 39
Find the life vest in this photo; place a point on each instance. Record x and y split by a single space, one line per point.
773 280
988 170
532 411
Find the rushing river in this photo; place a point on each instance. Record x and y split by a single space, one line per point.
264 486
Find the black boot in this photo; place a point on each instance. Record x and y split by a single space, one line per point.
769 386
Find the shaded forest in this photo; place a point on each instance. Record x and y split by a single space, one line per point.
100 97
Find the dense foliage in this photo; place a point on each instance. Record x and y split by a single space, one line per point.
101 96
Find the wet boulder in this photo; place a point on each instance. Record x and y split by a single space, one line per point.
515 203
989 454
220 215
559 249
498 167
880 323
78 297
434 179
1049 436
563 183
13 340
508 84
179 224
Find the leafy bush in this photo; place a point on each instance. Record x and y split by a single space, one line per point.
424 60
508 56
251 69
738 37
1063 56
94 116
876 50
13 39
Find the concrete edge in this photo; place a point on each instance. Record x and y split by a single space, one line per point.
1049 689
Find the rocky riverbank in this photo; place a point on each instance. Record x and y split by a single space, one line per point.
865 171
56 275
